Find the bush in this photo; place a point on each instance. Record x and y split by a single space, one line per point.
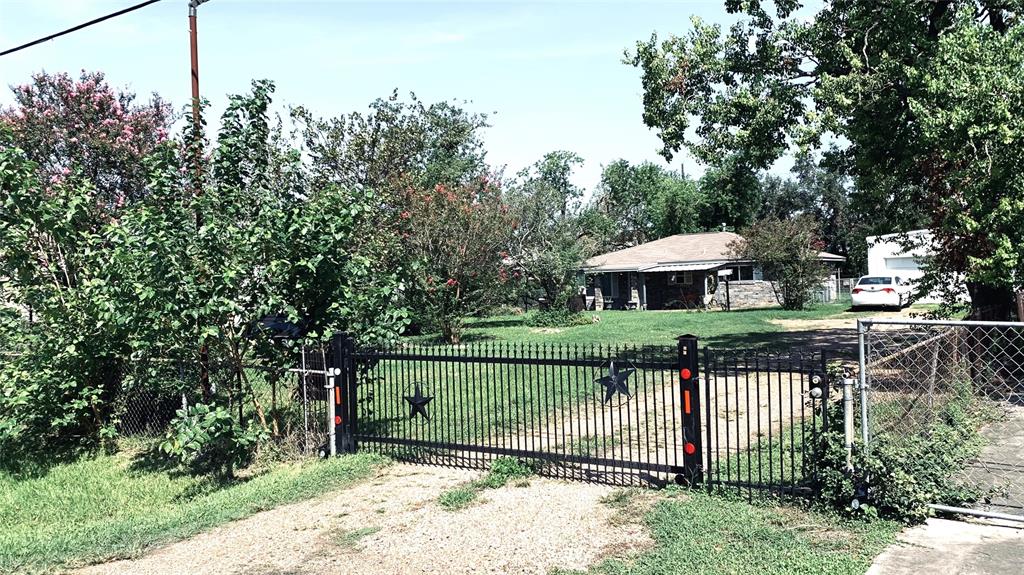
787 251
558 317
903 473
208 439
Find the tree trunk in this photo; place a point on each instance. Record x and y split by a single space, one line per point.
990 303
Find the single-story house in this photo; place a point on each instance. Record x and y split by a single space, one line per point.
682 272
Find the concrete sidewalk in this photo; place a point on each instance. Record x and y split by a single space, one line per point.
955 548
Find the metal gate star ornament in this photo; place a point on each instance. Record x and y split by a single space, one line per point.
615 382
418 403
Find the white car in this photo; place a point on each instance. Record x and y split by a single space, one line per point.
881 291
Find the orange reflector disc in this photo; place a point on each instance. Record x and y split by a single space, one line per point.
686 373
337 420
690 448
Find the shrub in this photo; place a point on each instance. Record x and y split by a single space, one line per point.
208 439
903 473
787 251
458 498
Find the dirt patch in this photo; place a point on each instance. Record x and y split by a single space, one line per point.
393 524
841 321
815 324
546 330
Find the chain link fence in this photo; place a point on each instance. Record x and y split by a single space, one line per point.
920 375
289 399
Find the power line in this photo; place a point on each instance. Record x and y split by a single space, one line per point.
79 27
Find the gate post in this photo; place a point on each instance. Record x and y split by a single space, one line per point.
344 392
689 392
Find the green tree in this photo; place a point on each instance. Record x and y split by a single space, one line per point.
972 124
864 73
67 353
98 294
787 252
677 209
395 144
818 189
645 202
550 241
732 195
395 148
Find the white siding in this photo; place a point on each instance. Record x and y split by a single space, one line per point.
887 257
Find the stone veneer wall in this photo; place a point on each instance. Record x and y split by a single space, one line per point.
598 296
747 294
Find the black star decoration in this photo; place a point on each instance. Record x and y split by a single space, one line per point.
418 403
615 382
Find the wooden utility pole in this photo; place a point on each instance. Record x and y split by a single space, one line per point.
193 34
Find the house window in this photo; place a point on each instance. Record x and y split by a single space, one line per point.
741 273
610 285
680 278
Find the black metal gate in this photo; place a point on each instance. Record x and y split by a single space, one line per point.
626 415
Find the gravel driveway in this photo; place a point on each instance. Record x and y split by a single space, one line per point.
392 524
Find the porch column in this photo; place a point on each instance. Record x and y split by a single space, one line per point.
643 291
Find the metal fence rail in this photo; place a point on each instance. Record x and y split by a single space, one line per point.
596 413
762 418
613 414
291 401
918 374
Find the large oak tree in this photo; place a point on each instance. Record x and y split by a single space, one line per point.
923 98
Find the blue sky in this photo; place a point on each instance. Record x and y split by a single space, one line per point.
549 72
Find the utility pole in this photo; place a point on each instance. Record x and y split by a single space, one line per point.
204 351
193 37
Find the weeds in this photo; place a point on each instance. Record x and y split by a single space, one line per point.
503 471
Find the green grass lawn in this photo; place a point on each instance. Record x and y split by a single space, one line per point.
731 329
700 533
113 506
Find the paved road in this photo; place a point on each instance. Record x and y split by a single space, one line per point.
955 548
1000 467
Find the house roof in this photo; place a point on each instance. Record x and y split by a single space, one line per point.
700 251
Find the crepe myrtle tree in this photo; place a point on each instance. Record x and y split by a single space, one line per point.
83 125
787 252
67 347
457 240
108 293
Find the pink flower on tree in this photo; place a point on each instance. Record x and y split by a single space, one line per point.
87 125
